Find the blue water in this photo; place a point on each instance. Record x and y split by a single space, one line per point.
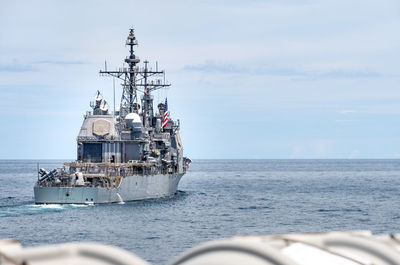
217 198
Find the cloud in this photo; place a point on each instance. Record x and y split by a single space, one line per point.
317 148
16 67
354 154
345 121
214 67
347 111
58 62
349 74
210 66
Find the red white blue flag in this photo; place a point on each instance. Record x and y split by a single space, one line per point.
165 120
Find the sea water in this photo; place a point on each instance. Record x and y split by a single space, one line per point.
216 199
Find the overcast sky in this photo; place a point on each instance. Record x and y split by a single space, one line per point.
250 79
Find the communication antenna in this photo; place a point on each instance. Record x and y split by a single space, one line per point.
135 80
114 93
104 106
98 96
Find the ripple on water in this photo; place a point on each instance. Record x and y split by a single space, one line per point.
32 209
253 207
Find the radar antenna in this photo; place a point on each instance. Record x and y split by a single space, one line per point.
136 79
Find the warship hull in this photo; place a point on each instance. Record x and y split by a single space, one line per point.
131 188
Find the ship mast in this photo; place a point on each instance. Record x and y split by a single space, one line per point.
136 79
132 61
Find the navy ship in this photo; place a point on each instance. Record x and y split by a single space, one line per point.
134 153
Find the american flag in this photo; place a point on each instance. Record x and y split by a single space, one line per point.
165 121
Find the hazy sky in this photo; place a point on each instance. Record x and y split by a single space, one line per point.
250 79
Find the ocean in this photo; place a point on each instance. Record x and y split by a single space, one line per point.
216 199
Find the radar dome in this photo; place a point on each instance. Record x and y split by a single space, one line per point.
133 121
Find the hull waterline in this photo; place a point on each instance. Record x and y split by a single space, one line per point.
132 188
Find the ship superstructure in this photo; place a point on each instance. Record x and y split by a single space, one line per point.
131 154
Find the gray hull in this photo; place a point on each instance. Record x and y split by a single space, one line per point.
131 188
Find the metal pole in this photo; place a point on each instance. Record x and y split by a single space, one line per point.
114 93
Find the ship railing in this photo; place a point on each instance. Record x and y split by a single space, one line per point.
114 169
79 164
160 136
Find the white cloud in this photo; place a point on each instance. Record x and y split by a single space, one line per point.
354 154
316 148
347 111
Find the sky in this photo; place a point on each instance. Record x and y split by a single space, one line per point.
273 79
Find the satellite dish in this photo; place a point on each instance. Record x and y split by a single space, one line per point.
104 106
98 96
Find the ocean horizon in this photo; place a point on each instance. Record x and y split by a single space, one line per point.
217 198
